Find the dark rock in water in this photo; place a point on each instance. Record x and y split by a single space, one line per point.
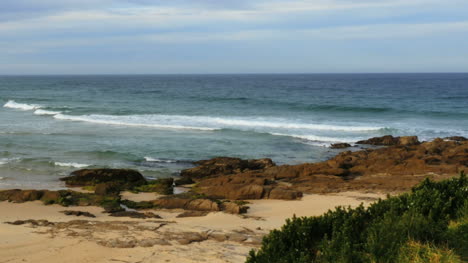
193 214
77 213
184 181
340 145
225 166
389 140
456 138
134 214
126 178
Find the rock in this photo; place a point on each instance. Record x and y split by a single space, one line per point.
340 145
233 208
111 188
224 166
186 203
77 213
193 214
235 191
184 181
126 178
191 237
284 194
408 140
236 237
164 186
202 205
134 214
389 140
218 236
456 138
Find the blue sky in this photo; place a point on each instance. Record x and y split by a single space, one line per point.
218 36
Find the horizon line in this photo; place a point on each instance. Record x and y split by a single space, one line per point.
271 73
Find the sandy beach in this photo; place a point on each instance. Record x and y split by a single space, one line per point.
98 239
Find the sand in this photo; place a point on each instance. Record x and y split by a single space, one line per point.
170 239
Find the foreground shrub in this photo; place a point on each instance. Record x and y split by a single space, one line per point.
431 218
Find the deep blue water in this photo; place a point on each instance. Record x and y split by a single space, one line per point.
51 125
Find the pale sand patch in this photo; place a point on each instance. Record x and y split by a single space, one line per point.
26 244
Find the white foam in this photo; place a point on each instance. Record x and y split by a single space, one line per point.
208 123
46 112
21 106
74 165
129 120
2 178
4 161
314 138
150 159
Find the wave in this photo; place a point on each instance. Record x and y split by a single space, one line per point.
74 165
130 120
322 140
4 161
21 106
46 112
156 160
207 123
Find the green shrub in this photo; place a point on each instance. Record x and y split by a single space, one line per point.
377 233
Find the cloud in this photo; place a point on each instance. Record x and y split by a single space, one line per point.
49 30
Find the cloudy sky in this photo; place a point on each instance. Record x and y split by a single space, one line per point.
235 36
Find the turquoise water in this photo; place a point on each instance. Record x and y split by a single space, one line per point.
158 124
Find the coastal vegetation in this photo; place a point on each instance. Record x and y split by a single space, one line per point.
428 224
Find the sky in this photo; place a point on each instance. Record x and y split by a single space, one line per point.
235 36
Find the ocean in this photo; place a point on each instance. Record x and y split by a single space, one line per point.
159 124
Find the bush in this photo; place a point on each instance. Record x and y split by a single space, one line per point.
380 232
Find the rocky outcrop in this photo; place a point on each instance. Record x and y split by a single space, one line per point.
389 140
125 178
225 166
389 169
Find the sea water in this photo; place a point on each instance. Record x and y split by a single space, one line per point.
159 124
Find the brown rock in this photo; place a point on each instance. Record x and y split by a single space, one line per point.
233 208
284 194
202 205
193 214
